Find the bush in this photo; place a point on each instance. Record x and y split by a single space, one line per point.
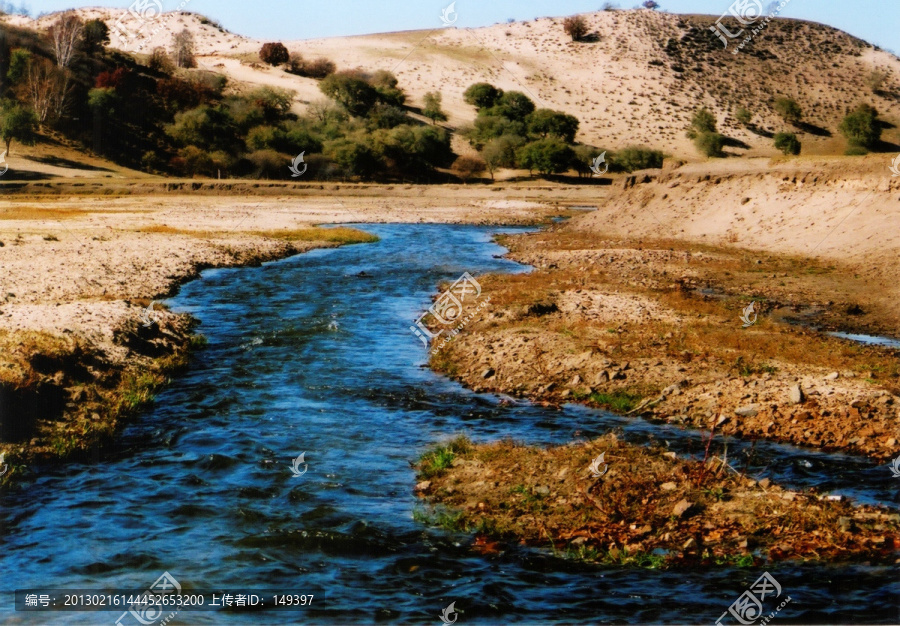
861 127
703 121
160 61
545 122
789 110
270 164
19 61
354 94
636 158
875 80
432 109
547 156
319 68
710 144
856 151
575 27
787 143
94 36
743 116
274 54
501 152
468 166
482 95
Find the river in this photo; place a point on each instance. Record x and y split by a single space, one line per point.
313 355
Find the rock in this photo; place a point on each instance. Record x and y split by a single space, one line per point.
681 508
845 524
671 389
578 541
542 490
748 410
576 380
425 485
487 373
690 543
833 376
795 395
765 482
891 442
671 455
668 486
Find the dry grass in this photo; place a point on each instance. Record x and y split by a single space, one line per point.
339 235
24 212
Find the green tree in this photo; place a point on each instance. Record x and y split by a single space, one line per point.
210 128
94 37
703 121
351 92
19 62
547 156
385 83
861 127
17 124
789 110
787 143
635 158
103 100
432 109
501 152
546 122
513 105
482 95
710 144
355 157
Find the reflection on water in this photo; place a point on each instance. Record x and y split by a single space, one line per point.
314 355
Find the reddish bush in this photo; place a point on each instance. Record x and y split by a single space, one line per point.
180 94
274 54
110 79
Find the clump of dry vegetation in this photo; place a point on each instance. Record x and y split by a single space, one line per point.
650 508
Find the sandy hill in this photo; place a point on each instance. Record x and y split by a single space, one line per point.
637 81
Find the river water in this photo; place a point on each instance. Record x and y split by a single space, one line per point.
313 354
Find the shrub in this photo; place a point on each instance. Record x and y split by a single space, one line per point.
468 166
547 156
19 61
710 144
354 94
856 151
17 124
501 152
787 143
432 109
183 45
743 116
269 164
875 80
545 123
274 54
110 79
482 95
385 83
575 27
789 110
703 121
319 68
160 61
94 36
861 127
635 158
651 4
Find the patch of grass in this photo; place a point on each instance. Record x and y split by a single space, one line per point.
619 401
436 461
341 235
453 521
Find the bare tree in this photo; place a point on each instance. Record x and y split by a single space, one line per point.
183 52
65 35
46 87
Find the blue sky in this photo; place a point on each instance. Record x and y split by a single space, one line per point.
875 21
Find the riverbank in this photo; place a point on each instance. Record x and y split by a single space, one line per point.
606 501
82 347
